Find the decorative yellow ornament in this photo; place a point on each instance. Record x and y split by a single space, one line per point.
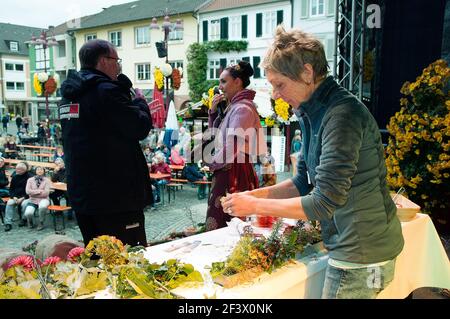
159 78
37 85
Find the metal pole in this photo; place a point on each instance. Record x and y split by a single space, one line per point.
45 70
352 46
336 39
166 41
361 56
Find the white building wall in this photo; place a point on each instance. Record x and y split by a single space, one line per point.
63 63
321 26
16 76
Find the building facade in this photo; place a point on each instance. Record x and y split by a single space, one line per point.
253 21
15 84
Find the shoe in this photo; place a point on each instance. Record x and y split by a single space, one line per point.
22 223
40 226
8 227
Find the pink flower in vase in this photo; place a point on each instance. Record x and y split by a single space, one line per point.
25 261
74 253
52 260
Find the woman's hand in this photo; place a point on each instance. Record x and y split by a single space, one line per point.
239 204
216 100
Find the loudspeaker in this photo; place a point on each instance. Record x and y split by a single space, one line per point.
162 51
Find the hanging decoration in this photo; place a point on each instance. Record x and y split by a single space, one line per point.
176 79
45 84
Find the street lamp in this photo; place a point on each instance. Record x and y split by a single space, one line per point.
163 48
46 43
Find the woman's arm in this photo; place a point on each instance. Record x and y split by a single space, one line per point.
285 189
29 190
240 204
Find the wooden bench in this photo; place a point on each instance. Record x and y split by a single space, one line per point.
31 163
58 211
173 187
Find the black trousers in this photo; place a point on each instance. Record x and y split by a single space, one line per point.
127 226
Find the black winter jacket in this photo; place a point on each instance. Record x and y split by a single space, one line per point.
3 179
19 184
101 127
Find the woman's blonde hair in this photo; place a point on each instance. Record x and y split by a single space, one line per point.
291 50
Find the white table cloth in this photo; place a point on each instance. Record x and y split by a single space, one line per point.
422 263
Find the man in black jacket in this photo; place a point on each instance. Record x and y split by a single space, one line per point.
107 177
18 195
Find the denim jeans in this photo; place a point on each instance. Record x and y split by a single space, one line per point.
361 283
11 208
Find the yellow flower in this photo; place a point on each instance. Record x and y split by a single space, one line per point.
282 109
269 121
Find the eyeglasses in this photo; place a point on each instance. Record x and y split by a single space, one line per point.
118 60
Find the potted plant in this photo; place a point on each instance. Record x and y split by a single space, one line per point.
418 153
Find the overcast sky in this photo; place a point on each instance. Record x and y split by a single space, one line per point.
42 13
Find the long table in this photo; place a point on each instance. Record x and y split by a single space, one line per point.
422 263
32 163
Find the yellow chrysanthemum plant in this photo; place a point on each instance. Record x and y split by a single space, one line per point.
418 153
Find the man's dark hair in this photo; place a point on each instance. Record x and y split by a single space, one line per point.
91 52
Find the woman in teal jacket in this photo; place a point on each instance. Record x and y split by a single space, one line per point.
341 174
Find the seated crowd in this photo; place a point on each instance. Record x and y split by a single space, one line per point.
28 193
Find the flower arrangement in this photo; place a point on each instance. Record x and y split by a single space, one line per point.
119 269
208 98
45 84
418 153
256 254
270 121
159 78
176 79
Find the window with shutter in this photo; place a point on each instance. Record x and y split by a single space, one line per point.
214 69
258 25
223 65
279 17
317 8
244 26
224 28
256 60
246 58
235 27
205 31
270 23
304 9
214 29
